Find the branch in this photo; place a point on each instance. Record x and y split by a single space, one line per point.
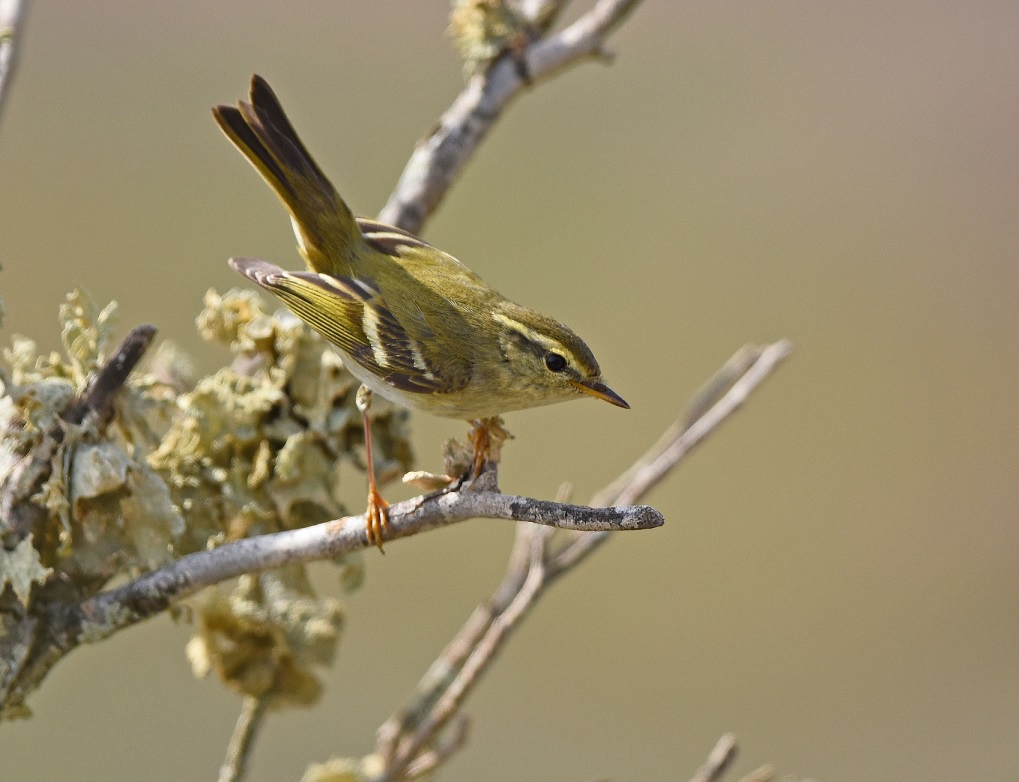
721 757
441 156
235 766
28 647
763 774
12 13
99 616
533 566
542 14
97 397
411 734
674 445
431 759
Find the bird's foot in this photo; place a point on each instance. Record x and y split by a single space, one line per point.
376 518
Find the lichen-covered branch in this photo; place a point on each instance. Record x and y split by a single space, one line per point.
440 157
154 592
102 478
33 462
250 458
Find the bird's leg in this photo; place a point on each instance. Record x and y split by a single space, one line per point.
486 436
481 441
377 515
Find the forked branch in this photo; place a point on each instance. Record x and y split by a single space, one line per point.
441 156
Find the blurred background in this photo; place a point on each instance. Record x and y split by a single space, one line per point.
836 582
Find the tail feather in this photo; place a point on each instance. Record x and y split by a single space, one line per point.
326 230
234 124
271 116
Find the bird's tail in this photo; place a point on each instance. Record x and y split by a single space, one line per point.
327 233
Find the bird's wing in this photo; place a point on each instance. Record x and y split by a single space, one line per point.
352 314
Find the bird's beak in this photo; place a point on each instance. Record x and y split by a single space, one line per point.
601 391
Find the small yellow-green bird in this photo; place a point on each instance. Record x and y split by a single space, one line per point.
411 322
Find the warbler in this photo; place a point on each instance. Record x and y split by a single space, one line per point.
411 322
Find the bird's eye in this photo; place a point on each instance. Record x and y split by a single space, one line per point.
555 362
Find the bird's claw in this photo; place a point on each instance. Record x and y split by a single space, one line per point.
376 518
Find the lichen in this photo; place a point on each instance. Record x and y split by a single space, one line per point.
86 333
188 463
483 29
21 569
94 632
267 636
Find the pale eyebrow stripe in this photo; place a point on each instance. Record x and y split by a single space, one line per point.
530 334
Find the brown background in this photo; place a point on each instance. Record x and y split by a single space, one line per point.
837 579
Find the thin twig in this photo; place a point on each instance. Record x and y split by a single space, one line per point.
440 157
97 397
532 567
477 661
671 449
651 472
235 766
12 18
439 676
721 757
762 774
449 743
542 14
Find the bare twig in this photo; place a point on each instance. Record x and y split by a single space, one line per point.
481 656
97 398
721 757
532 567
542 14
762 774
441 674
431 759
671 449
12 17
441 156
235 766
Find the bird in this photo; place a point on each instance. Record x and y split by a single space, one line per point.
411 322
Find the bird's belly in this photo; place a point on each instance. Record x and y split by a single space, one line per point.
464 404
468 404
371 381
